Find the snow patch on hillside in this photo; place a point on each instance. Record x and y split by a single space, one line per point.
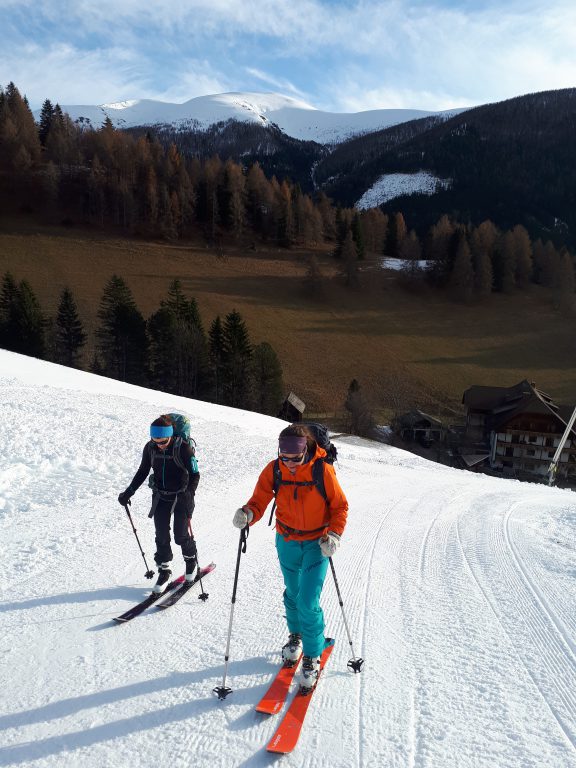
392 185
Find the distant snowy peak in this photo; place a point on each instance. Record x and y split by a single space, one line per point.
294 117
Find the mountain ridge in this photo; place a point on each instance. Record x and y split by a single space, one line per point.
294 117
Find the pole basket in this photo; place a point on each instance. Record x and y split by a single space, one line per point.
149 574
221 692
204 596
355 665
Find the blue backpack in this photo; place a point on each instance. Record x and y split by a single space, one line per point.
181 426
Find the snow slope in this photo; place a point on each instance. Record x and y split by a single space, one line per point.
392 185
459 591
295 117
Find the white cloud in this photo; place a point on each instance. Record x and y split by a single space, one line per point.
281 84
361 55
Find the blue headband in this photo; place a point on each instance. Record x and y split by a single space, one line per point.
159 432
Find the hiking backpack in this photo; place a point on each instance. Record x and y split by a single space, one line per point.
181 426
320 433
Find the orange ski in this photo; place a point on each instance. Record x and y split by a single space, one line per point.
288 733
273 700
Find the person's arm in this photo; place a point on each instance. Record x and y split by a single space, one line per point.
337 502
263 493
138 479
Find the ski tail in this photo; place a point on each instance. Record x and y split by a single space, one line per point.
139 608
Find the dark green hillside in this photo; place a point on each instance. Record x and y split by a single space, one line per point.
513 162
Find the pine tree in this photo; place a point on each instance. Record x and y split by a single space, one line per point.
396 234
461 282
9 314
30 322
266 376
523 256
45 122
216 347
505 263
178 347
70 335
358 236
483 241
440 251
122 343
237 358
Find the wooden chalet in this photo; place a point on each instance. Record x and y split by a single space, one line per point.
520 428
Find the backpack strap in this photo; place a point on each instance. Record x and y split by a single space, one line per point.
177 458
317 481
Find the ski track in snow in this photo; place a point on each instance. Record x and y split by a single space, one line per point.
458 590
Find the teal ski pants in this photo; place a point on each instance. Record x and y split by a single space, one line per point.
304 570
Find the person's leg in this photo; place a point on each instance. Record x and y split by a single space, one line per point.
182 535
311 617
290 559
162 528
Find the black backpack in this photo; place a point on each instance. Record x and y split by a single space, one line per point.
320 433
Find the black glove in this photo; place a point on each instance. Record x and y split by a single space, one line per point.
125 496
190 504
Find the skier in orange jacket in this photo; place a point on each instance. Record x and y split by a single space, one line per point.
308 531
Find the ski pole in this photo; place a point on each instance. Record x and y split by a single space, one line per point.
222 691
203 595
148 573
354 663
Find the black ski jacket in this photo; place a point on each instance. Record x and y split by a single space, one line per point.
169 477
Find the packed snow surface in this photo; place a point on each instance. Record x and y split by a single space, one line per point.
459 591
293 116
392 185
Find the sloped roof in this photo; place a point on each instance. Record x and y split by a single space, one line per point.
504 403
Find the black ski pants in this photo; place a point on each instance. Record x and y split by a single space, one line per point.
163 508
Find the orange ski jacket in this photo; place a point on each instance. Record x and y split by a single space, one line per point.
301 512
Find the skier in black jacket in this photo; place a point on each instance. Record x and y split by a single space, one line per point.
176 476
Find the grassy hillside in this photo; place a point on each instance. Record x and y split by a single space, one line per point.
404 348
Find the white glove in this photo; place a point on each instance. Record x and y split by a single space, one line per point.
329 543
242 517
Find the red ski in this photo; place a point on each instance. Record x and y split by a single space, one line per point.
273 700
288 733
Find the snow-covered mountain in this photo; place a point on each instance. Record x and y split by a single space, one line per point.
296 118
459 591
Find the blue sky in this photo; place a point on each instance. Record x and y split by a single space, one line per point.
338 56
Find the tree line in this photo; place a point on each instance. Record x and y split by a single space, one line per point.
473 262
68 172
170 350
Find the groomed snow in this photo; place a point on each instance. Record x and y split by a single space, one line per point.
392 185
459 590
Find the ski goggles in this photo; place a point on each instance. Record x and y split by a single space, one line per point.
293 459
161 442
